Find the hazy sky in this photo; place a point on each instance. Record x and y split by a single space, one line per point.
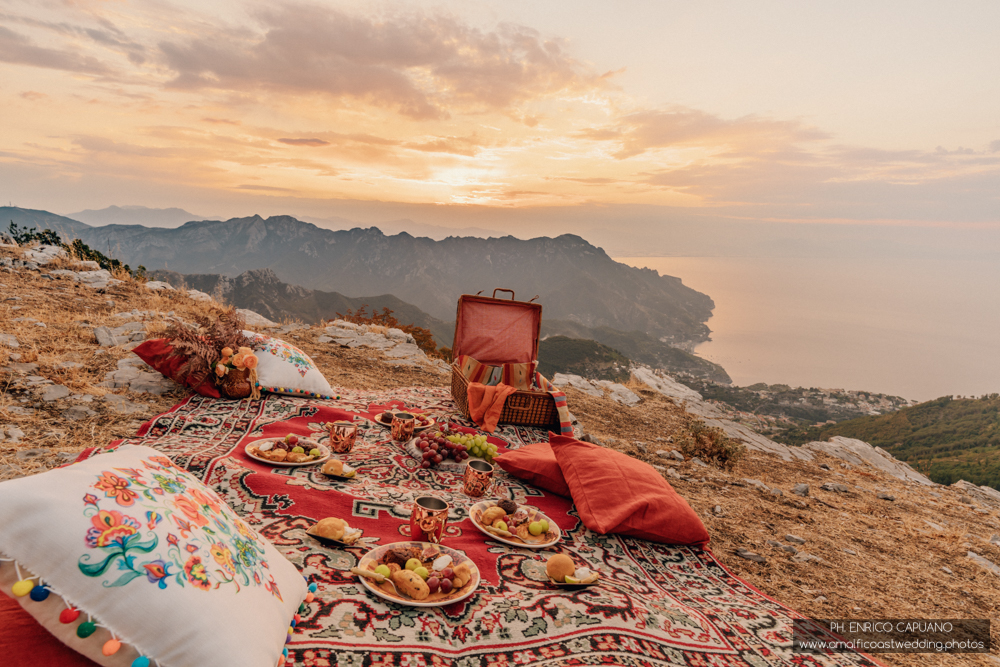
544 116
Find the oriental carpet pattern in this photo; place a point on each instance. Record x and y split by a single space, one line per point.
656 604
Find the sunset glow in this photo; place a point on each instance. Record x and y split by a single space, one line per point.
294 107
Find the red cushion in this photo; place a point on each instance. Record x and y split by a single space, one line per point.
537 465
159 354
615 493
24 642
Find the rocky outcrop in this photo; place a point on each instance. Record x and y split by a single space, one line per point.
984 494
858 452
398 346
615 391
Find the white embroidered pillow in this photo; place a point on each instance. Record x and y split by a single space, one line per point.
285 369
151 555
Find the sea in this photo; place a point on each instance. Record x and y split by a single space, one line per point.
915 328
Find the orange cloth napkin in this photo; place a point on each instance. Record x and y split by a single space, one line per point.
486 403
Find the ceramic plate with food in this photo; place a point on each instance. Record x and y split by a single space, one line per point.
422 422
407 563
563 572
513 524
335 532
278 452
337 468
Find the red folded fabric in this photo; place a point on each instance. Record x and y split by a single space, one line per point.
615 493
159 353
486 403
537 465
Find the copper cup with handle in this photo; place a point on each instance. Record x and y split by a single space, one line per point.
403 424
478 480
428 519
343 435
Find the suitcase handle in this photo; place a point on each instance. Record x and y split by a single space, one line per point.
501 289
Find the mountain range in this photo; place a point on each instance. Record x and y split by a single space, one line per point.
261 291
574 280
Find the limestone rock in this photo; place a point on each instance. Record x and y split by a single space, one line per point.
44 254
835 487
983 494
159 285
665 385
28 454
54 393
859 452
576 382
105 337
984 563
8 340
255 319
121 404
78 412
801 490
198 295
803 557
882 495
794 538
750 555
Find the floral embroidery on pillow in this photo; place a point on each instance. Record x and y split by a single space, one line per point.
215 547
285 352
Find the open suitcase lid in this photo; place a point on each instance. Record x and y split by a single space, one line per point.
497 331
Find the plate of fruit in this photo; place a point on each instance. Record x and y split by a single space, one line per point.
422 421
288 451
563 572
435 451
418 574
474 443
519 526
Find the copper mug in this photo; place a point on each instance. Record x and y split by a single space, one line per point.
403 424
478 479
428 519
343 435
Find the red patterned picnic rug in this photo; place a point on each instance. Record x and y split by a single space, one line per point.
656 605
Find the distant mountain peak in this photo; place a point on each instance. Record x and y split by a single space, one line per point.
134 215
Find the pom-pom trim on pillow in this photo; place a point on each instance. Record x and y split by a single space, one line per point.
24 588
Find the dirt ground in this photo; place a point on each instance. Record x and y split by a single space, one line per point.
900 546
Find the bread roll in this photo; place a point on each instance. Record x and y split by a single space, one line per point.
296 457
411 583
491 514
334 467
331 528
559 566
462 574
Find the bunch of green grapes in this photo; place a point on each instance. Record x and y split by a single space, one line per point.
475 445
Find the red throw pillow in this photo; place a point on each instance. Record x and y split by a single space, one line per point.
537 465
159 354
615 493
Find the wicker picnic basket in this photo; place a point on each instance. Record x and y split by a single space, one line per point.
498 331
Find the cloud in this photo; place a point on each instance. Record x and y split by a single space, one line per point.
33 95
423 66
303 142
641 131
264 188
222 121
468 146
18 49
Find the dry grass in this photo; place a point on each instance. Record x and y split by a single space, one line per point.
895 574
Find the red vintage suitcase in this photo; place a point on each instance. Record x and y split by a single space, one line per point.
498 331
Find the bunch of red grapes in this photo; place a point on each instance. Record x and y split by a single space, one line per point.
435 448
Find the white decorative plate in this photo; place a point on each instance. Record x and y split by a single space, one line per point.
477 510
283 464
